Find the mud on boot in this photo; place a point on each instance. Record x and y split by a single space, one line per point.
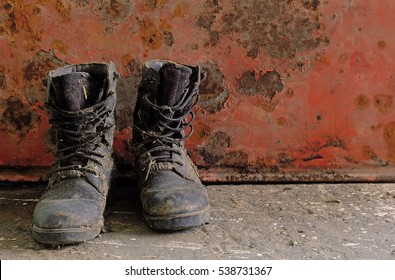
81 100
171 194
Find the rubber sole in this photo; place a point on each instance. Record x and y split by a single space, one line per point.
178 222
65 236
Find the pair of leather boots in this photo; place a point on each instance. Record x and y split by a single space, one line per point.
81 100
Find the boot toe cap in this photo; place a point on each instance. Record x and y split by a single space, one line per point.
67 214
70 211
170 194
71 203
175 202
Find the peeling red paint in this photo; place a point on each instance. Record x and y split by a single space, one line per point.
295 90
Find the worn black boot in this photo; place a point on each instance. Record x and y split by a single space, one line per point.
81 99
171 193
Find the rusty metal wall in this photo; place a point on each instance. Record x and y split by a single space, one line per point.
296 90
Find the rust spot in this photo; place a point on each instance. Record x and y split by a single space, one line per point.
8 19
164 25
17 118
300 66
59 45
168 38
35 32
150 34
35 72
253 52
7 6
180 10
149 5
320 61
13 24
313 157
165 29
335 143
269 105
282 28
235 159
281 121
362 102
205 21
389 137
126 60
82 3
153 4
312 150
3 81
37 10
213 92
285 159
50 140
368 153
267 164
111 11
221 139
64 9
383 103
159 3
214 151
381 44
311 4
207 18
204 133
115 8
214 38
289 93
266 85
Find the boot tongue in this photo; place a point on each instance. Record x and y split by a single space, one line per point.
75 91
174 79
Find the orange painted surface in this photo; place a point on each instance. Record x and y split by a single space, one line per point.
295 90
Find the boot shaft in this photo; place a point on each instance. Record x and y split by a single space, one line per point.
81 100
75 91
163 118
166 97
77 87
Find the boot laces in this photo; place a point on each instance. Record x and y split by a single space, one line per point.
169 129
79 133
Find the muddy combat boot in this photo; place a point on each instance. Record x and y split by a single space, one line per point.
171 193
81 99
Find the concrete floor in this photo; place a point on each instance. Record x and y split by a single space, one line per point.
293 221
